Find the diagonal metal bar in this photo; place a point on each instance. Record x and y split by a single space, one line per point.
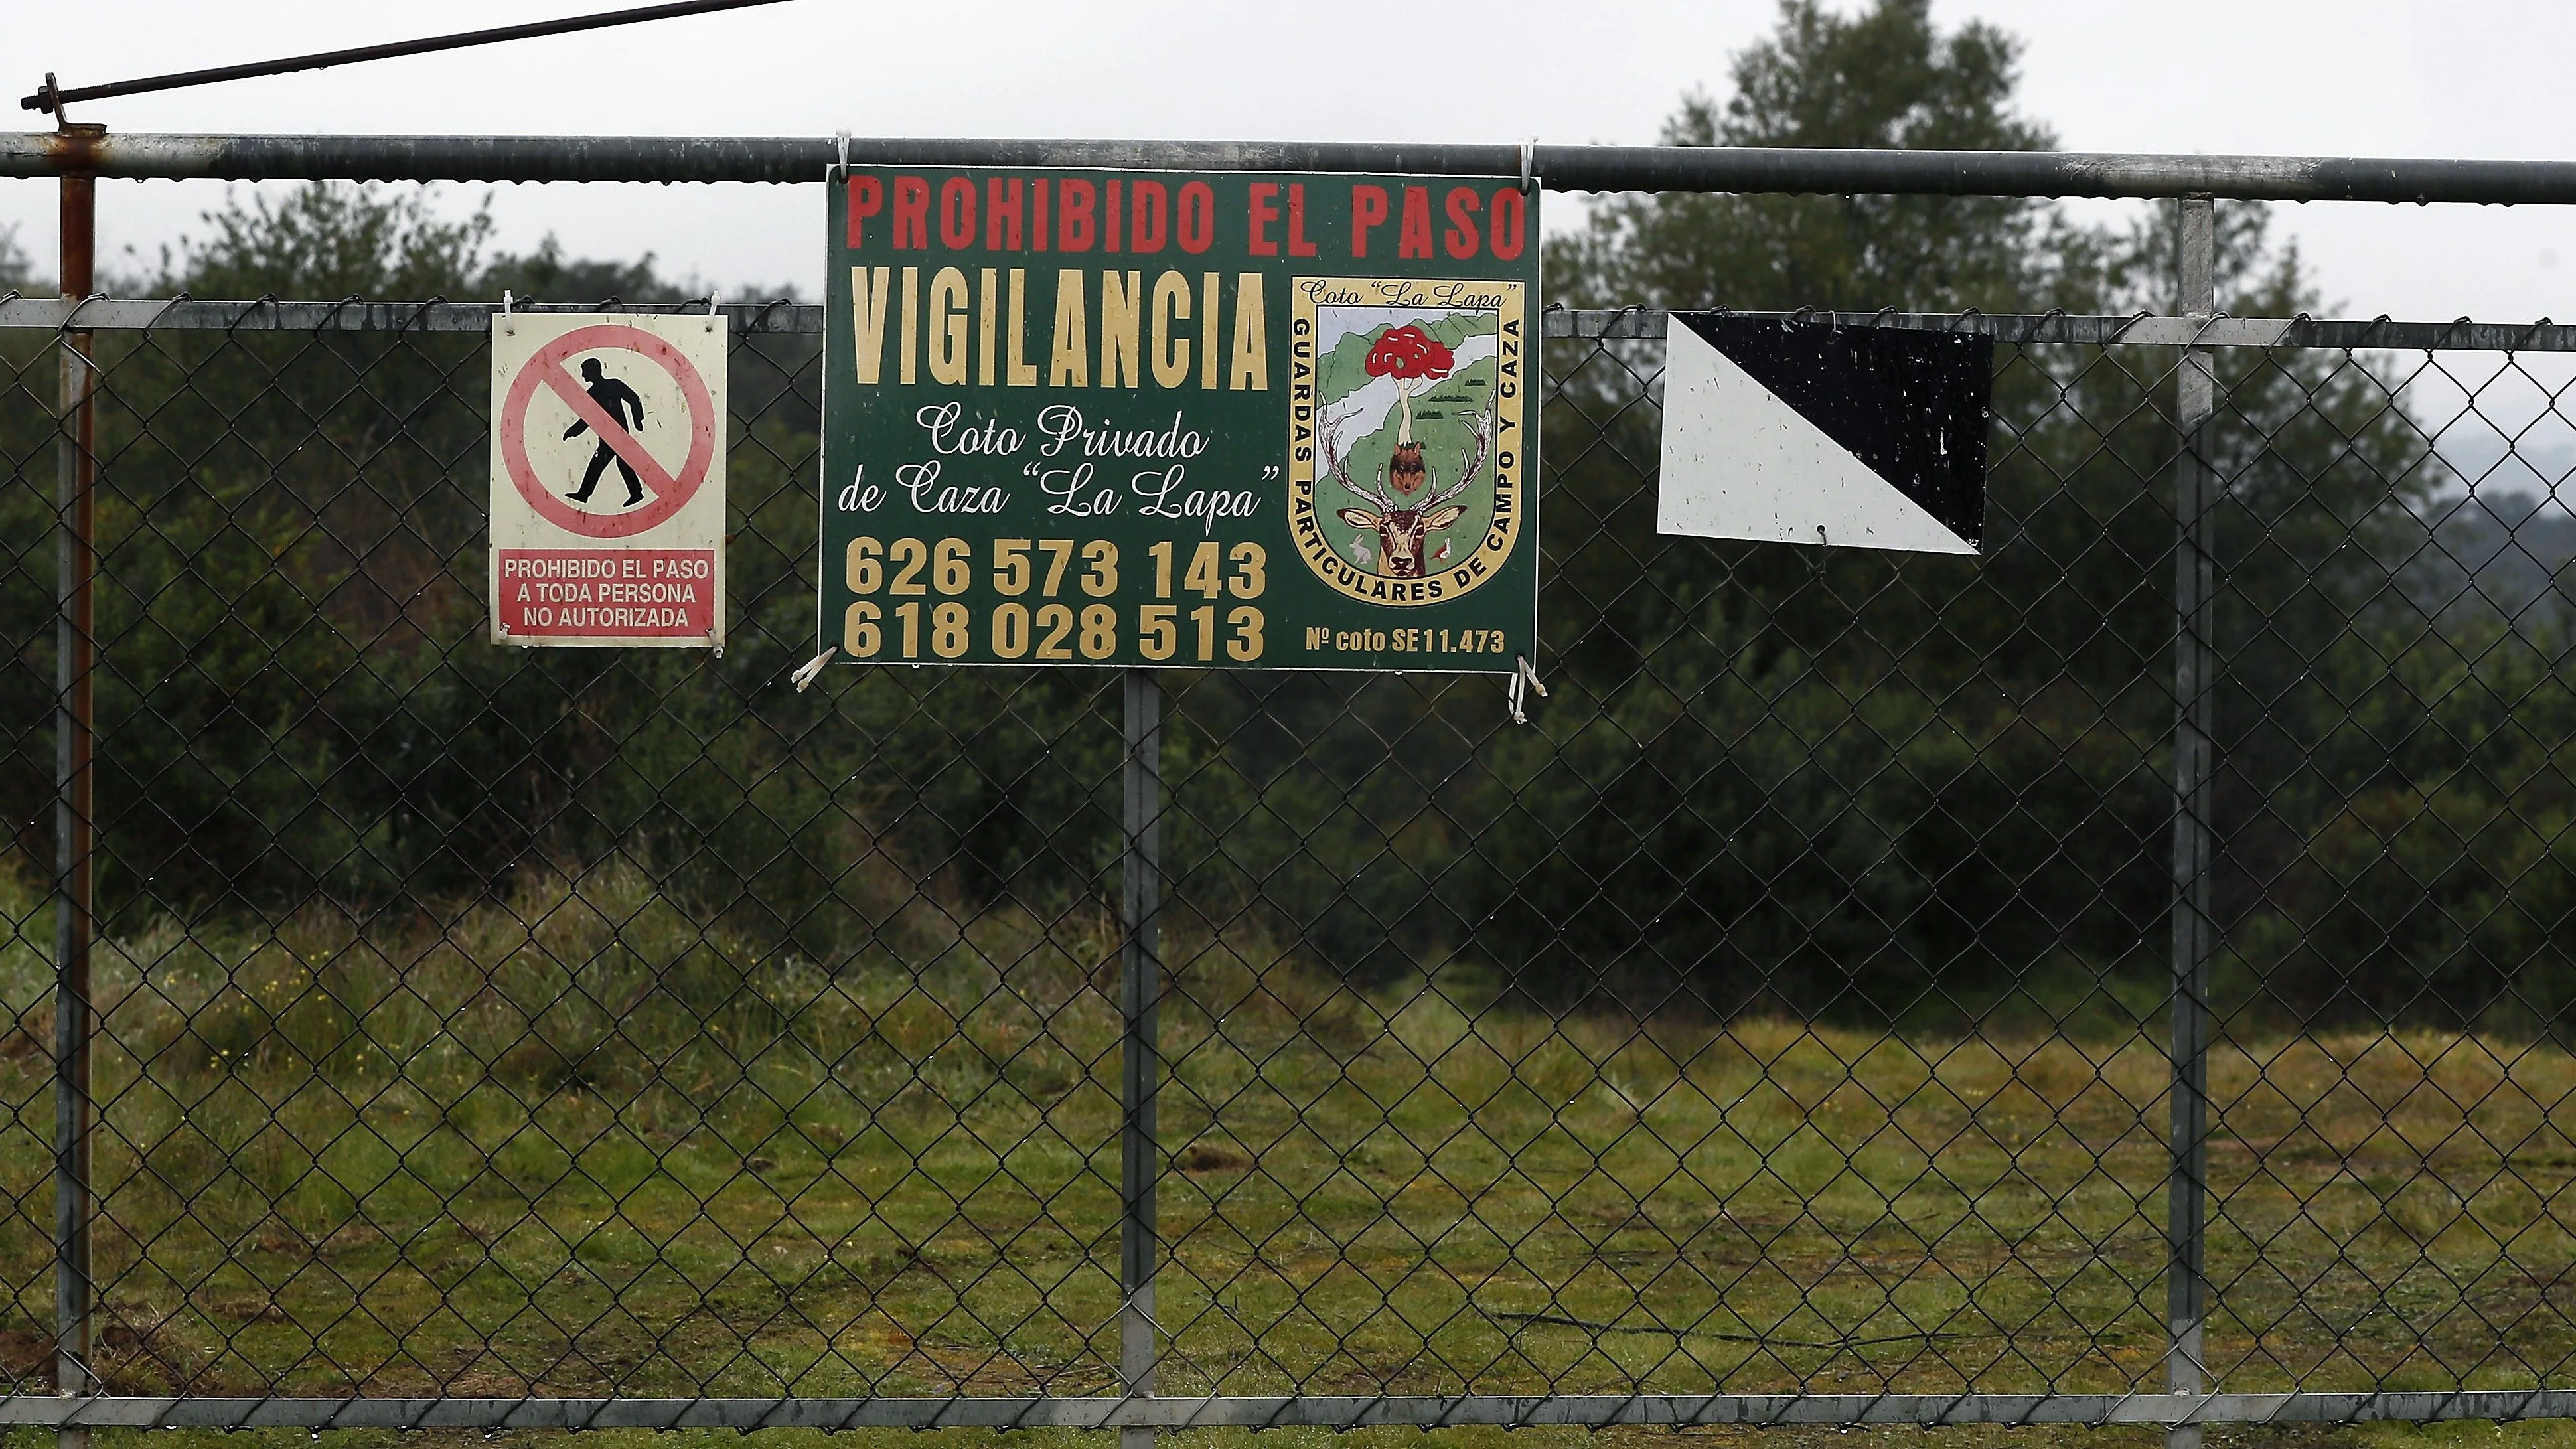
53 98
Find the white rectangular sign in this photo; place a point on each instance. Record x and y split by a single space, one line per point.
608 497
1806 432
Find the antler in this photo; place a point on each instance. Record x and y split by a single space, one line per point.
1473 461
1339 466
1334 463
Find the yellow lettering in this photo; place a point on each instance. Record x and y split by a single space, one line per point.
948 327
1016 369
986 316
1251 368
871 293
1121 319
1069 366
1207 334
911 324
1171 349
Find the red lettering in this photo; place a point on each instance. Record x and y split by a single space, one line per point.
1264 211
1413 234
866 197
1461 238
1507 223
911 214
1109 220
1146 204
1073 215
1002 214
957 214
1368 209
1298 246
1197 226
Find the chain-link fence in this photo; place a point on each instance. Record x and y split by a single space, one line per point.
1779 1025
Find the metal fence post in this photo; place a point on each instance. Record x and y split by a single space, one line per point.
76 558
2195 664
1140 906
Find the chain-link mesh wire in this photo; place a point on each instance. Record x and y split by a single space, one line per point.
1781 1011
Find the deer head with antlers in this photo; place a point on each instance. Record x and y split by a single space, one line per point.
1403 525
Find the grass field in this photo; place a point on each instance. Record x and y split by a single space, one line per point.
615 1150
2366 1436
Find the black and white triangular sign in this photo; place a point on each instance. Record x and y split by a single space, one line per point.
1803 432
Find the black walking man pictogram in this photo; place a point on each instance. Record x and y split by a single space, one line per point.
615 399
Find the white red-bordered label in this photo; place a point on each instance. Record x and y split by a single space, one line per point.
607 458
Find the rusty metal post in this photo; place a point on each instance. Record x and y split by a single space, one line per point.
1140 910
2194 764
76 455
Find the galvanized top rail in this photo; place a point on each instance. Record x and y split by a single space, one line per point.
783 317
1561 168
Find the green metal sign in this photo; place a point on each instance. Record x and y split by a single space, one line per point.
1230 420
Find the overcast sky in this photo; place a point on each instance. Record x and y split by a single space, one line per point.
2345 77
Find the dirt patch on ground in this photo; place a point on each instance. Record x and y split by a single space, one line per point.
1205 1156
26 1360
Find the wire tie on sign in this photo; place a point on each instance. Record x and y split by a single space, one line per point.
806 672
1529 162
714 295
506 325
844 139
1524 677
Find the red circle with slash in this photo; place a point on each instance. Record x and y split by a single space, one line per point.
669 491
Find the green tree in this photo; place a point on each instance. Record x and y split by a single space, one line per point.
29 395
547 275
1769 778
297 701
1827 781
326 241
1886 77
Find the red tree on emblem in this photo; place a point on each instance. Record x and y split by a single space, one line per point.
1412 357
